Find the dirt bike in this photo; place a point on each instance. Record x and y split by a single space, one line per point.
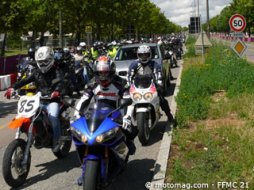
32 120
101 143
146 104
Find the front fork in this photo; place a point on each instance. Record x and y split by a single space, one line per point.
28 146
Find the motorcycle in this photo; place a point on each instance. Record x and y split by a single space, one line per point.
24 69
83 73
104 151
172 54
33 121
146 104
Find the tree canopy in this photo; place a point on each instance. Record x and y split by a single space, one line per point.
220 23
109 19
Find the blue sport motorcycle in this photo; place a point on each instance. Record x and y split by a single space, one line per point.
101 143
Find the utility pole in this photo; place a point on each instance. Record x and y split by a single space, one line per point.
199 21
195 16
207 13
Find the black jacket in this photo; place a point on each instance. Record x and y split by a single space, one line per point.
46 83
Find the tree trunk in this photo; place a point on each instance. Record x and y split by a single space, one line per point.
3 45
98 32
77 37
33 45
42 39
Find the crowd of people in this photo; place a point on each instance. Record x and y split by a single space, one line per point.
54 73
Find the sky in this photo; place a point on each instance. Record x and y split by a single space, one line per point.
180 11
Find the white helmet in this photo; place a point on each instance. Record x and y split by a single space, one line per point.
44 58
144 53
82 44
113 43
160 42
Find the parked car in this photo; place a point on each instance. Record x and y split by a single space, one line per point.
126 54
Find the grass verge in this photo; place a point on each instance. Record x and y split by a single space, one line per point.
214 142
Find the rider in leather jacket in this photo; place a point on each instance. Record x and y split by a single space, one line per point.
49 81
105 86
144 65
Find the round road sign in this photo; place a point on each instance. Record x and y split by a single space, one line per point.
237 23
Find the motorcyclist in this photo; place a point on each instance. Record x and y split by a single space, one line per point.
145 65
112 50
29 63
85 50
31 53
78 56
94 51
48 80
105 86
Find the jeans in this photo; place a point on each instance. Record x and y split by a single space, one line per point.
53 110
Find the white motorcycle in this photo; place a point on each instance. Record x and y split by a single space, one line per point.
146 104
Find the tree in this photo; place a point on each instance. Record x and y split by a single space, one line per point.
11 19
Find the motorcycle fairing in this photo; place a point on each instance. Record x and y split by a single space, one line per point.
18 122
81 125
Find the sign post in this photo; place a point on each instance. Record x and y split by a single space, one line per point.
88 31
237 24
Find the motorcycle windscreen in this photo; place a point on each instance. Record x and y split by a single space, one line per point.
143 81
98 111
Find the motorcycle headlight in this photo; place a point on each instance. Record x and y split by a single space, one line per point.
78 135
148 96
137 96
106 136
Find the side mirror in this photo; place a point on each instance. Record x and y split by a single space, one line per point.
125 102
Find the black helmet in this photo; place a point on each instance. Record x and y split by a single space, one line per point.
31 52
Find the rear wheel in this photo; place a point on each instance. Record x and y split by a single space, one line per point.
91 174
13 172
144 130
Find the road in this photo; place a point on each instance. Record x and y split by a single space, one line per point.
250 53
47 172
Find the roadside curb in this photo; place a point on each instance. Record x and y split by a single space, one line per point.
160 166
7 81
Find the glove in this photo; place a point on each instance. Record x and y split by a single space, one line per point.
9 93
55 95
126 122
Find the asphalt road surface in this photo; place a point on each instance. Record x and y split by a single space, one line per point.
49 173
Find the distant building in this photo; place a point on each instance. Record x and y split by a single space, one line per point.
194 26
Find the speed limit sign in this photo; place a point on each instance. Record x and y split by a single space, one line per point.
237 23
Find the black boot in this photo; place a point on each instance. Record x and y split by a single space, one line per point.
131 146
171 119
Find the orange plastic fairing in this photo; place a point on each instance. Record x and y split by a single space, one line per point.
18 122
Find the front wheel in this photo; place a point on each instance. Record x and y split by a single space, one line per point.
144 130
13 172
91 175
